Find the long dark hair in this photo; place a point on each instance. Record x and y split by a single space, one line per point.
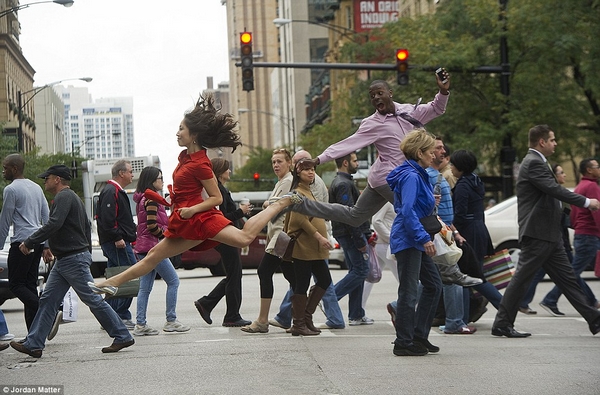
148 175
302 164
209 127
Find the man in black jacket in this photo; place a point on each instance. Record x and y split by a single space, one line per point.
539 199
69 236
116 229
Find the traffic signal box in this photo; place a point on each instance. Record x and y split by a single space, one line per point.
256 180
402 66
246 55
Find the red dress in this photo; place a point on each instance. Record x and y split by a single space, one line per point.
187 192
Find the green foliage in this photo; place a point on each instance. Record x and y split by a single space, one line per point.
259 161
36 164
553 54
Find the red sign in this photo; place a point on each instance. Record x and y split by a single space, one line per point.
373 14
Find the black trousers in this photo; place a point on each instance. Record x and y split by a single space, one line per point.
230 287
304 270
552 257
266 269
23 272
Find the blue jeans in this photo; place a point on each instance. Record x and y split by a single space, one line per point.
415 265
586 247
119 257
353 283
74 271
531 290
167 272
3 326
335 319
454 306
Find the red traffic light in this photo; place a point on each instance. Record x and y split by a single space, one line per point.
246 38
402 55
256 176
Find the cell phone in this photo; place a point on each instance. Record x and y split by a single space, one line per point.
441 75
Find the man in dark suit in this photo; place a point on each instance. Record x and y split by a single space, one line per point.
539 199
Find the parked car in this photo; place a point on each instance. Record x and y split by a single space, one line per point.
5 293
502 223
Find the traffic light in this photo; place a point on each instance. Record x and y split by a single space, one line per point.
402 66
256 180
246 54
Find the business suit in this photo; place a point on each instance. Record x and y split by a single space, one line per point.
539 210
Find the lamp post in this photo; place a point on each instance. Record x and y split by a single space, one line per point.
22 105
287 122
64 3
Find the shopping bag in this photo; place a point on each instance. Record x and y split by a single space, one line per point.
374 274
445 253
70 306
498 269
597 267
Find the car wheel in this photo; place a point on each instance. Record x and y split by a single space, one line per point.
218 270
514 249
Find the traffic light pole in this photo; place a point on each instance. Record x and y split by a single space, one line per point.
372 66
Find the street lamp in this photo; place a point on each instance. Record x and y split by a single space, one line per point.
35 92
65 3
287 122
341 30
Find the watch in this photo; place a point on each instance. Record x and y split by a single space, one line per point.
455 232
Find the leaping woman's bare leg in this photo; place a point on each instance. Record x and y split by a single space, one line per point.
165 249
240 238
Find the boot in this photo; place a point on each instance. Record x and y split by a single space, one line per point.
298 311
314 297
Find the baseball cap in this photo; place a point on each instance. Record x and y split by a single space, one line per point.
58 170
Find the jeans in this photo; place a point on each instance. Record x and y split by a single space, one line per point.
490 293
22 279
454 306
353 283
74 271
335 319
3 326
415 265
167 272
119 257
586 247
531 290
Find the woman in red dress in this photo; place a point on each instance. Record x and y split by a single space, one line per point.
195 222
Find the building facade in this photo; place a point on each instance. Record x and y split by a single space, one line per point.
50 122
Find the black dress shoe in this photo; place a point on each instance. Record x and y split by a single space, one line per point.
238 323
204 313
595 327
3 346
21 348
508 332
115 347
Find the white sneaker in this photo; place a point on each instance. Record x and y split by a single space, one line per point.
57 321
175 326
144 330
363 321
7 337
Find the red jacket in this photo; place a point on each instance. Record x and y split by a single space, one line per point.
584 221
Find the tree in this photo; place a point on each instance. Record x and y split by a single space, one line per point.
259 161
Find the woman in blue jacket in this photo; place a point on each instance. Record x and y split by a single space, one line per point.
412 245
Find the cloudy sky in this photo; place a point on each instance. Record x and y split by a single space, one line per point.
159 53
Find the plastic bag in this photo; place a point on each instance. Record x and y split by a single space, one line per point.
374 274
445 254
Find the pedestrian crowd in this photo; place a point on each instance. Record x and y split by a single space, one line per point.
414 182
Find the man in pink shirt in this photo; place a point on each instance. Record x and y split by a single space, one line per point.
385 129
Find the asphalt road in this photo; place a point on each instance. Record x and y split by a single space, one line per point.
561 357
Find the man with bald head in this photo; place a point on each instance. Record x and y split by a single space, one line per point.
25 209
335 319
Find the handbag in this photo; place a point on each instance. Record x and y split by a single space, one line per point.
129 289
284 246
498 269
374 274
597 267
431 224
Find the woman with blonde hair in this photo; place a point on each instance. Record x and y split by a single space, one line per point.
413 246
282 163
